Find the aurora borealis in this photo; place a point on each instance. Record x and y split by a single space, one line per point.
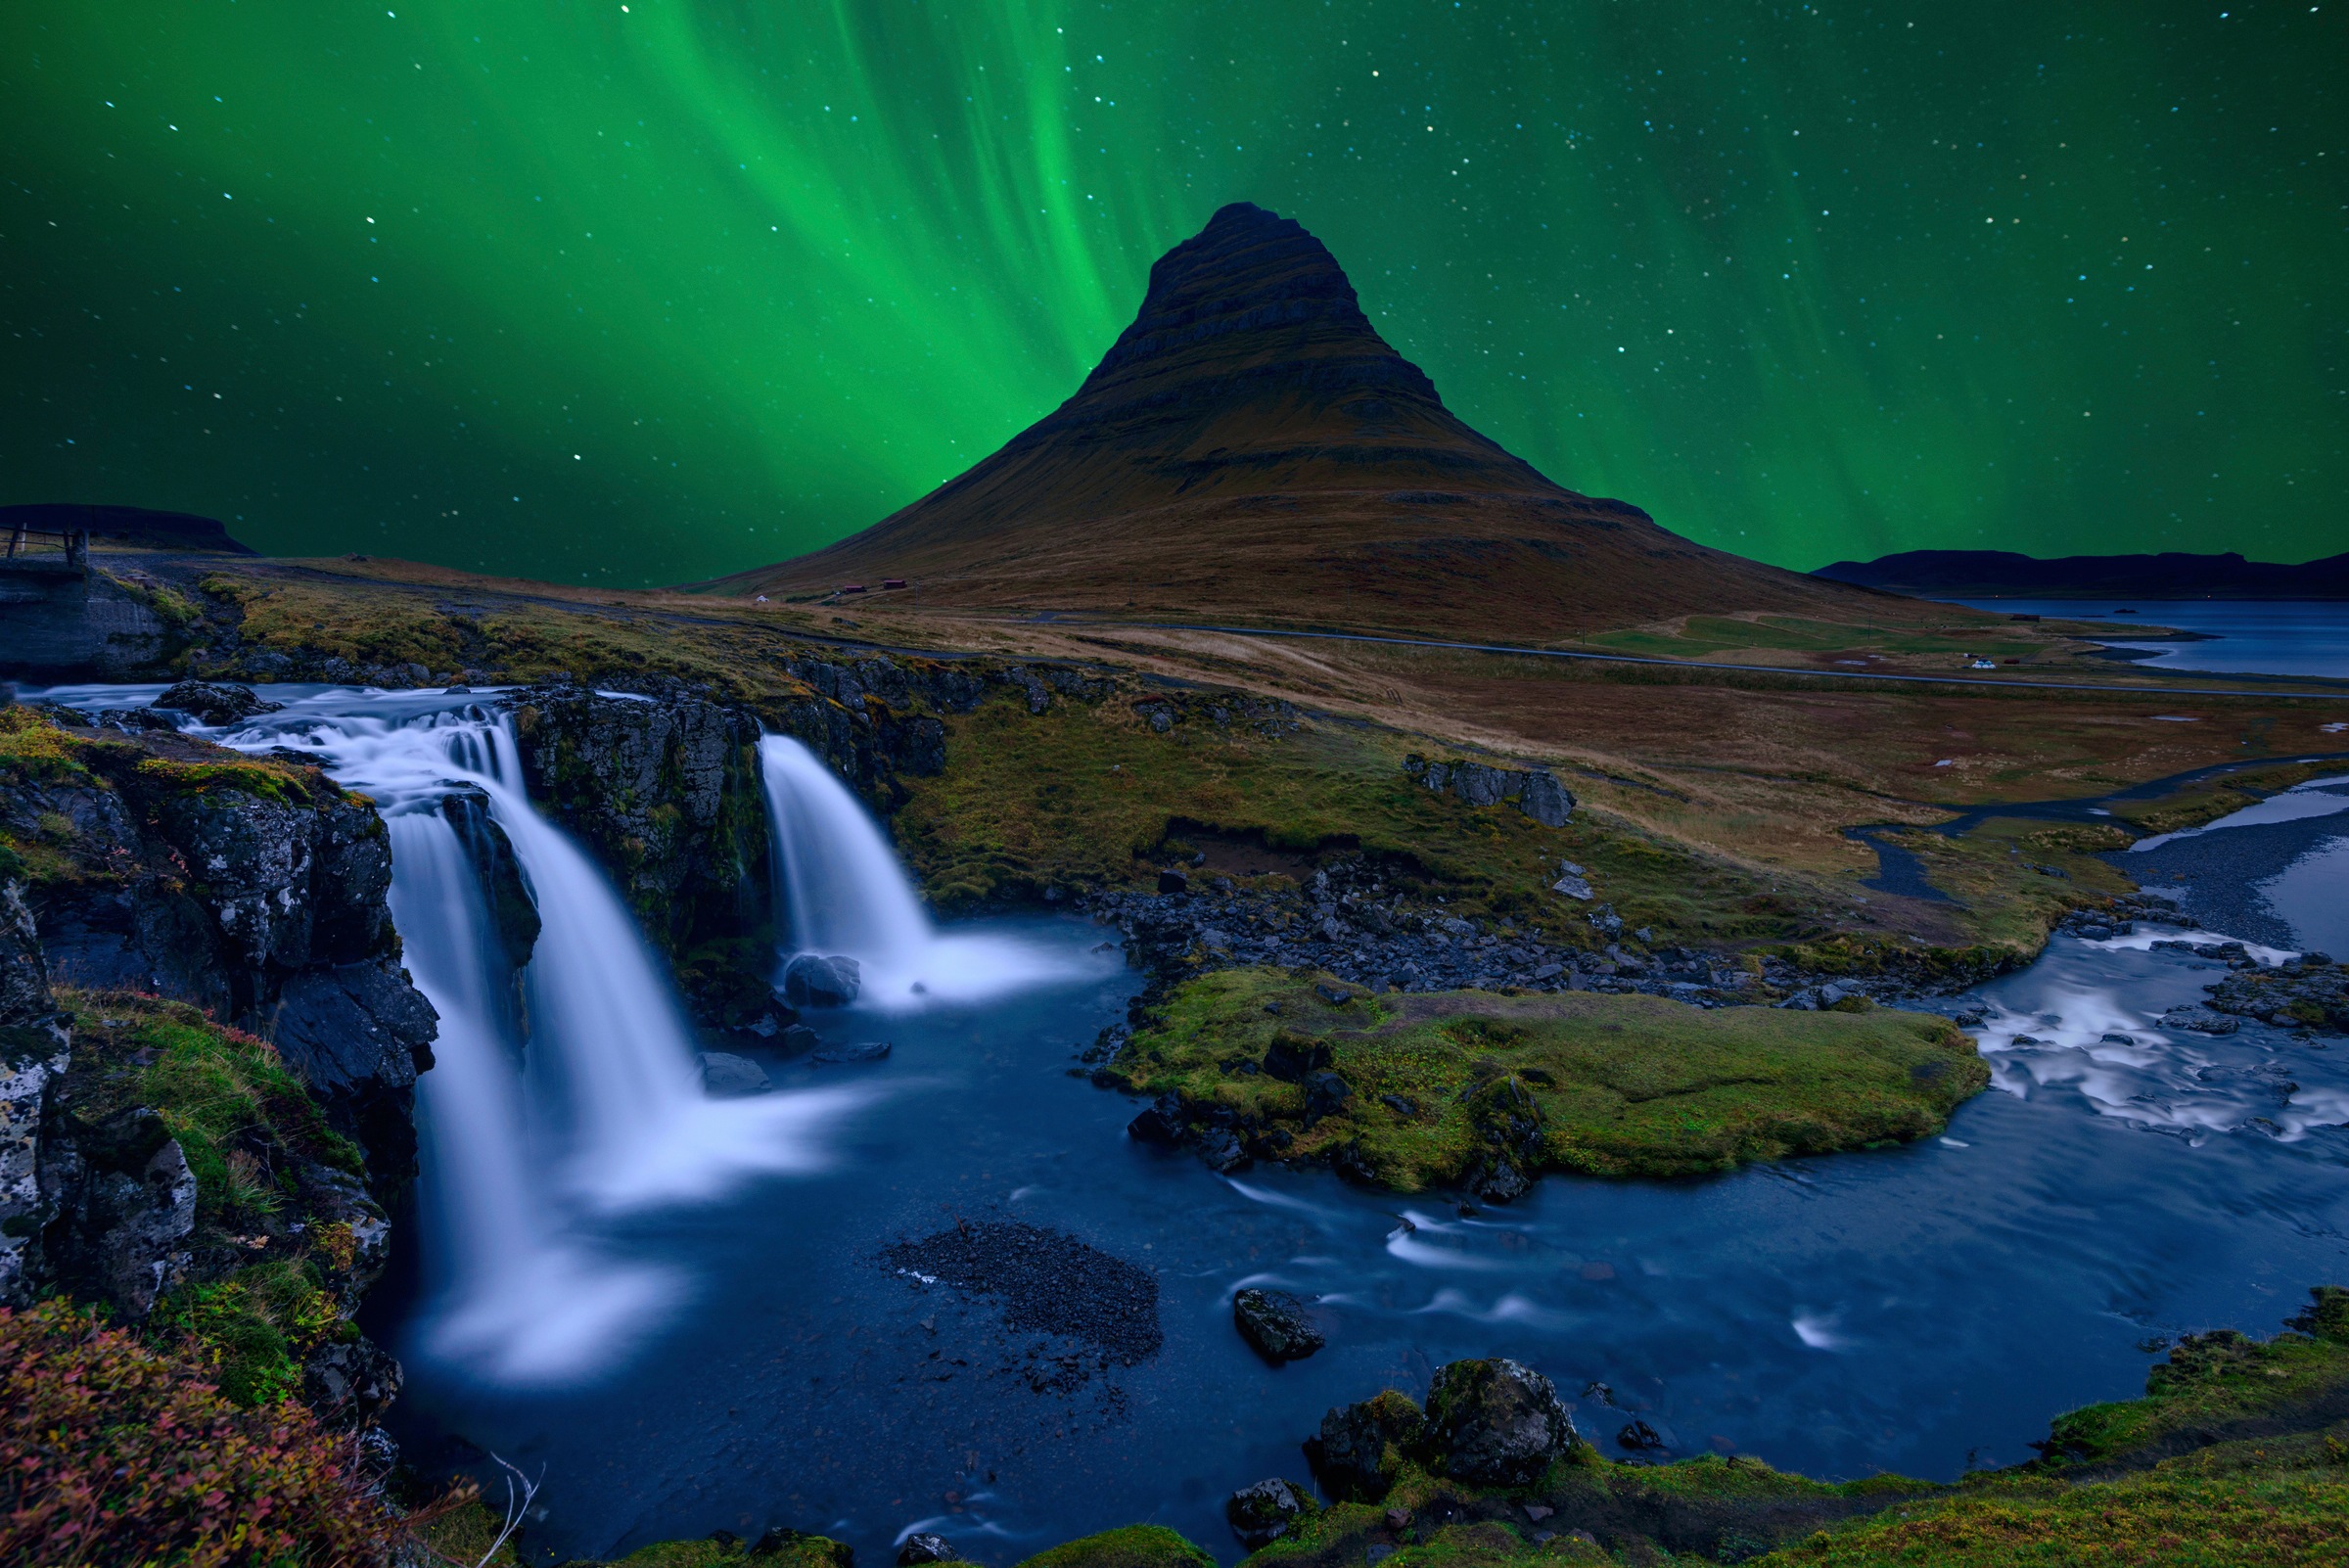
645 292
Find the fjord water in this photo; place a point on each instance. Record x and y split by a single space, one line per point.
1919 1309
2248 636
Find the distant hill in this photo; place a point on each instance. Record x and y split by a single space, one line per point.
1251 448
131 524
2172 574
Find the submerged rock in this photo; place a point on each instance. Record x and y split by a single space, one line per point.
1262 1514
1495 1422
2201 1020
1277 1324
871 1050
726 1077
811 980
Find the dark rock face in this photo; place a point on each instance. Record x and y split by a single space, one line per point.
665 793
811 980
922 1547
2310 992
1362 1448
213 704
1495 1422
129 1206
350 1384
62 625
1277 1324
255 893
1262 1514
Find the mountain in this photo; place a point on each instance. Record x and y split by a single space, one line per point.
2172 575
1250 448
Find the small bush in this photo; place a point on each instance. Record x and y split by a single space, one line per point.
114 1452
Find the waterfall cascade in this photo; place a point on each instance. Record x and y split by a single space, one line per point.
845 893
609 1112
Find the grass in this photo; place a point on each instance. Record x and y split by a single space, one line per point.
1603 1085
272 1288
1134 1546
1092 795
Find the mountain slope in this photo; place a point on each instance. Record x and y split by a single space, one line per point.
2172 575
1250 448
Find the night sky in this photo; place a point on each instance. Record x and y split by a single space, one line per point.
644 293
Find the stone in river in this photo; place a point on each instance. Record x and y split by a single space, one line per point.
922 1547
2200 1019
1277 1324
871 1050
728 1077
811 981
1363 1448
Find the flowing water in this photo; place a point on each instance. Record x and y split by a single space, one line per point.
758 1361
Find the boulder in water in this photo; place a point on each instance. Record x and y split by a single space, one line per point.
1277 1324
1362 1448
214 702
921 1546
811 981
871 1050
731 1077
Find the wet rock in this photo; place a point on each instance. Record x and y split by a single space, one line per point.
1361 1449
2201 1020
813 981
871 1050
1500 1180
1276 1323
214 703
350 1383
1495 1422
1047 1282
921 1546
726 1077
1163 1122
1221 1149
796 1039
1262 1514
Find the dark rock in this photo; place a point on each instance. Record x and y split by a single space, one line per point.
1048 1283
796 1039
1362 1448
1163 1122
1277 1324
871 1050
2201 1020
1174 880
922 1547
1262 1514
1638 1437
726 1077
1335 995
1500 1180
1399 1105
1495 1422
1325 1096
1221 1149
813 981
350 1383
213 705
1545 800
1291 1056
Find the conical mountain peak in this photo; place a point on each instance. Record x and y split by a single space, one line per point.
1249 448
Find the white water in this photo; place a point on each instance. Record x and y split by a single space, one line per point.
846 894
609 1114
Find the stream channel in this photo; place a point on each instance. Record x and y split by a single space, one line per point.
680 1312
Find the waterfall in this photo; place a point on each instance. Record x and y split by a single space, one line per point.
511 1296
612 1090
845 894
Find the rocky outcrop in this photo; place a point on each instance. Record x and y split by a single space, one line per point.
254 890
58 625
1262 1514
1495 1423
1536 790
1361 1449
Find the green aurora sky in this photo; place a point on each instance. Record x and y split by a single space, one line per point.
645 292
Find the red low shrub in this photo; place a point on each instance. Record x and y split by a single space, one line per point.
113 1453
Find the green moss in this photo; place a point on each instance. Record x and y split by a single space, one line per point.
1607 1085
1134 1546
1092 795
267 781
